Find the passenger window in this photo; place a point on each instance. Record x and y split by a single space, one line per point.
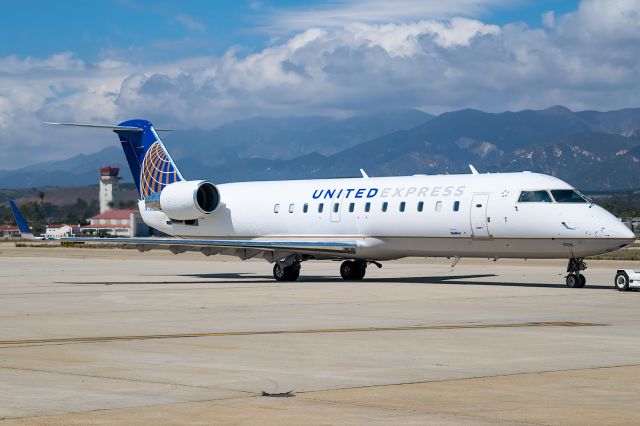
384 206
567 196
439 206
421 206
456 206
367 207
402 206
291 208
276 208
320 207
534 197
336 207
305 208
352 207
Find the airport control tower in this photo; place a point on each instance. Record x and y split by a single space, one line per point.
108 188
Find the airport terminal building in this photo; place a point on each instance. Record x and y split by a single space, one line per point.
9 231
115 223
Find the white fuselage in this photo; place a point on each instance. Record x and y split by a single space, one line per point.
488 222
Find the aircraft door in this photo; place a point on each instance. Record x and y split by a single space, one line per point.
479 220
336 206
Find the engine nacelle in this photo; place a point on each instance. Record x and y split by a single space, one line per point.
189 199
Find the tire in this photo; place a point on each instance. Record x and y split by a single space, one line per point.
583 281
279 272
293 273
622 281
353 271
360 272
573 281
286 273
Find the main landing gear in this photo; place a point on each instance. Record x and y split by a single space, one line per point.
574 278
287 269
286 273
353 270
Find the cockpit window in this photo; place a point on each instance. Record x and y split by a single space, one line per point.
567 196
534 197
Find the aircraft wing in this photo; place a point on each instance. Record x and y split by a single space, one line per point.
244 248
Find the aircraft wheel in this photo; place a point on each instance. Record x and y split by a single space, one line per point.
622 281
286 273
293 273
573 281
583 281
353 271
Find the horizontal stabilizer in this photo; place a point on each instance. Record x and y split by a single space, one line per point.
105 127
97 126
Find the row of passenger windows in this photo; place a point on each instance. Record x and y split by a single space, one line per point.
367 207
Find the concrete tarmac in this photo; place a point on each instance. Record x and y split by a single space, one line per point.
99 336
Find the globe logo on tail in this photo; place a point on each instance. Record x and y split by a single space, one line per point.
157 171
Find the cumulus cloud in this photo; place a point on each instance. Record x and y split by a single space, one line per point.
586 59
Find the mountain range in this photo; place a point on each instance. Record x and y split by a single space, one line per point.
590 149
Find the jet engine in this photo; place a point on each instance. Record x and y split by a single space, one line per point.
189 199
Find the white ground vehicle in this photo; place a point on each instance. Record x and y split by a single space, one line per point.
626 279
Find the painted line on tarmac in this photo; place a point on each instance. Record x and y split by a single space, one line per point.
67 340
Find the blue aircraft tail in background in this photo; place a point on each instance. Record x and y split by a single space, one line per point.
25 231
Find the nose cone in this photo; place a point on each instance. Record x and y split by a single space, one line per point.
619 230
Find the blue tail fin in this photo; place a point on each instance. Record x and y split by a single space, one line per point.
150 163
22 224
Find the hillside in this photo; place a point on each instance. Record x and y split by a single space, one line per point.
590 149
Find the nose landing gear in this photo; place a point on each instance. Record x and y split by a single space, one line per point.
574 278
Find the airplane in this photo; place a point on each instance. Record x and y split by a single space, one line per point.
25 230
363 221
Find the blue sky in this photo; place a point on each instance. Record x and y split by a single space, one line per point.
203 63
165 31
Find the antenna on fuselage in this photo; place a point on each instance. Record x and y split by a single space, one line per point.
364 174
473 170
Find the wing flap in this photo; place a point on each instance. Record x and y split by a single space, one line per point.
178 245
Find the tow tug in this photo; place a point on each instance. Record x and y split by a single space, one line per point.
626 279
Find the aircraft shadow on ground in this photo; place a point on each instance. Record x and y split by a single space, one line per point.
249 278
457 280
225 278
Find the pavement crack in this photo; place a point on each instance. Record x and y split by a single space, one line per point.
97 376
419 382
